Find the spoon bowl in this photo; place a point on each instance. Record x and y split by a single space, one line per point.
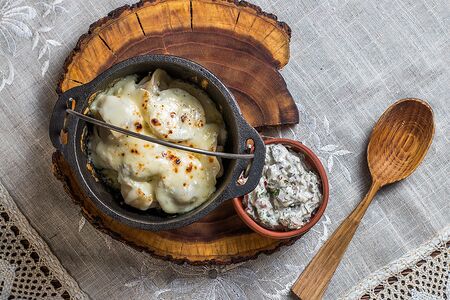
400 140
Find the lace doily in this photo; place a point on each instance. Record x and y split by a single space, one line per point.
422 274
28 269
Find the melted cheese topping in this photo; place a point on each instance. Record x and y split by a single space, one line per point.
151 175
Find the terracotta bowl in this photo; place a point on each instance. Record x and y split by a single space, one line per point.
314 163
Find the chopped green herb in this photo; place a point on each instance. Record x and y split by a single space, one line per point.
273 192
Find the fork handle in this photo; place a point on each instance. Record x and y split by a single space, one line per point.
314 280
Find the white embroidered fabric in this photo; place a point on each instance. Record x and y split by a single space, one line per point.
349 61
422 274
28 269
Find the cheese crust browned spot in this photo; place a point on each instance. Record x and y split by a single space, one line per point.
155 122
138 126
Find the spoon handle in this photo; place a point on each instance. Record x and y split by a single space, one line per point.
314 280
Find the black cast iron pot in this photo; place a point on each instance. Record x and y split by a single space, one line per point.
73 148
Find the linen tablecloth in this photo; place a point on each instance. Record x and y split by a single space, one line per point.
349 61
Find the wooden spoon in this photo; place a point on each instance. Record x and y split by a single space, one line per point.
397 145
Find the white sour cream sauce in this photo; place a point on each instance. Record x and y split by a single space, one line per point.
147 174
288 192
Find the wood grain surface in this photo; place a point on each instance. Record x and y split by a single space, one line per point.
398 144
238 42
219 238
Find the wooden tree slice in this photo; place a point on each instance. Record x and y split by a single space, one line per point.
238 42
219 238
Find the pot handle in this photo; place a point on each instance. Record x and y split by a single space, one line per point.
59 123
234 189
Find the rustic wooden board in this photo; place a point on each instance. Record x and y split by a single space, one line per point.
238 42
